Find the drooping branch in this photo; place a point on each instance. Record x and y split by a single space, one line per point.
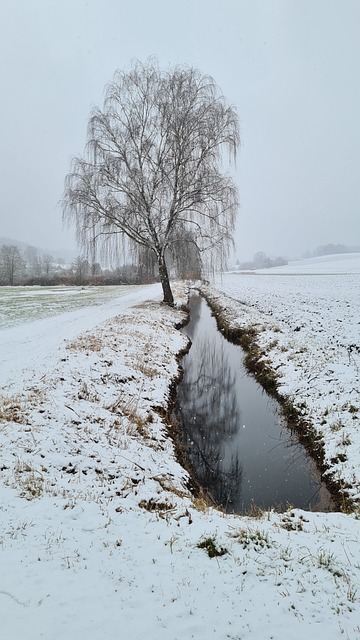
151 169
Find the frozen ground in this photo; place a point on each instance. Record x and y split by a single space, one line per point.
99 534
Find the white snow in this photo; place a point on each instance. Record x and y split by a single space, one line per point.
99 533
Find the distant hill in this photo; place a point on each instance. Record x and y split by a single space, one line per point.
339 263
17 243
332 249
68 255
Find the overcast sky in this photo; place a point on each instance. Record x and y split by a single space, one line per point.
291 68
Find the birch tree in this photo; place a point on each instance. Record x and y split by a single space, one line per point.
155 163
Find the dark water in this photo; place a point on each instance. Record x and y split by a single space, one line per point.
237 445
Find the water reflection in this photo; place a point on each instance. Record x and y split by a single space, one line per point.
210 415
236 443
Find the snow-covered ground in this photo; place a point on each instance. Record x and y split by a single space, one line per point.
99 534
19 304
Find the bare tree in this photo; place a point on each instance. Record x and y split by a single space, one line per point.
33 262
153 165
80 269
12 263
47 262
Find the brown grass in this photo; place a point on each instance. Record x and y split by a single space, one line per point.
12 409
154 505
85 342
168 485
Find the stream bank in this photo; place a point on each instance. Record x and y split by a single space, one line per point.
232 433
259 365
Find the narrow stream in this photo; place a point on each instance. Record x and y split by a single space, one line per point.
236 442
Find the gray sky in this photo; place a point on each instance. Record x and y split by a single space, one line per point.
291 68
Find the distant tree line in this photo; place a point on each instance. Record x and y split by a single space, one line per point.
31 267
331 249
261 261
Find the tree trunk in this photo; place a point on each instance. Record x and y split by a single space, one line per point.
165 283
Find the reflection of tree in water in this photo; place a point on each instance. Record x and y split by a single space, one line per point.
210 416
195 313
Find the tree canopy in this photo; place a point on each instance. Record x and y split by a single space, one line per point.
152 167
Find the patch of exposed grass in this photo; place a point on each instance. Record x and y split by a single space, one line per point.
274 343
327 561
255 512
86 342
156 505
211 547
290 523
167 484
85 393
29 481
345 440
12 409
336 426
353 409
252 538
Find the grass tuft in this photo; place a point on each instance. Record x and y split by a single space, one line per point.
11 409
210 545
252 538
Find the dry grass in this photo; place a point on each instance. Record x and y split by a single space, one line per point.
202 501
167 484
29 481
155 505
256 512
12 409
86 342
129 409
85 393
141 364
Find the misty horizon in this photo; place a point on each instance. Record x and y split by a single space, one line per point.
259 259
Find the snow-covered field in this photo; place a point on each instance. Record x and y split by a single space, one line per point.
99 534
19 304
344 263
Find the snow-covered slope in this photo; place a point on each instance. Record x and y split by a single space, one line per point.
339 263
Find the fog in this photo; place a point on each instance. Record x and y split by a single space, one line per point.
290 68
